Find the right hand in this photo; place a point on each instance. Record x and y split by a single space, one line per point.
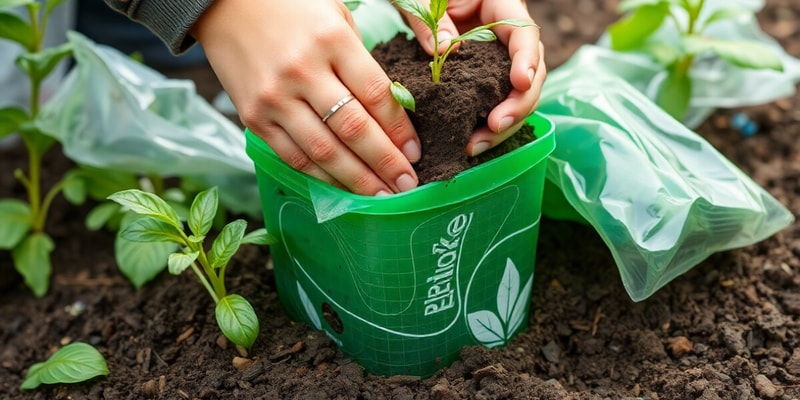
284 64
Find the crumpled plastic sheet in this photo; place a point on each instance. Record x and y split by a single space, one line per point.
113 112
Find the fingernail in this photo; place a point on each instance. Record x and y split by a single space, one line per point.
530 74
444 37
479 148
412 151
505 123
382 193
405 183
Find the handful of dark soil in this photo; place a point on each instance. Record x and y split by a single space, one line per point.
474 80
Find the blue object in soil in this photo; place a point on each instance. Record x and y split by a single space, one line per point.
742 123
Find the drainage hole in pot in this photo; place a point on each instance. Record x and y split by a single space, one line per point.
332 317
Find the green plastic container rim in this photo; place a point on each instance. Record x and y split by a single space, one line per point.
483 177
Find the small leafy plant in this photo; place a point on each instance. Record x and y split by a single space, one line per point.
160 223
75 362
645 17
23 229
431 19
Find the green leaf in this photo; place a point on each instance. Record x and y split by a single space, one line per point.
237 320
724 13
662 53
438 8
39 65
740 53
145 203
202 211
75 362
351 5
17 220
16 29
141 262
145 229
480 34
633 31
100 183
74 187
259 237
675 93
10 120
100 214
37 140
403 96
416 9
178 262
32 261
227 243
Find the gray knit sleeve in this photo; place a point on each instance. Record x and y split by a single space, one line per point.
170 20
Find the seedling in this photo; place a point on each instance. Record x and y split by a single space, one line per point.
634 33
431 19
160 223
23 228
75 362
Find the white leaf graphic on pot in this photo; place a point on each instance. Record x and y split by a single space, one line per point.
495 329
309 307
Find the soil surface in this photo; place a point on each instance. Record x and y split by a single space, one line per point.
727 329
474 80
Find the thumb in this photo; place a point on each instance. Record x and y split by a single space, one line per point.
447 30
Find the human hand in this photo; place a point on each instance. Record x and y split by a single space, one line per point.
285 65
528 69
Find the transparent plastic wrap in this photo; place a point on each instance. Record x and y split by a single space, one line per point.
660 196
715 83
113 112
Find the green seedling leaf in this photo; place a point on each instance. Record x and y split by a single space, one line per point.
5 4
148 229
725 14
237 320
202 212
75 362
227 243
477 35
17 220
38 65
32 261
101 183
259 237
178 262
141 262
740 53
17 30
37 140
633 31
73 187
10 119
675 93
438 8
403 96
149 204
662 53
416 9
101 214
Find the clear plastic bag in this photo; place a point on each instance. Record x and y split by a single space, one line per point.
660 196
113 112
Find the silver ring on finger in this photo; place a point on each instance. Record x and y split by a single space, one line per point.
337 106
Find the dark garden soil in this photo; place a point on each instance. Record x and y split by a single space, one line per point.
473 81
727 329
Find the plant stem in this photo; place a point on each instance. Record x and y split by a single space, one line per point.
436 65
41 218
205 283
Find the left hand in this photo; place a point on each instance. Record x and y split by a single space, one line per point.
528 70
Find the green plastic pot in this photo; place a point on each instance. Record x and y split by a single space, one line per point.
402 283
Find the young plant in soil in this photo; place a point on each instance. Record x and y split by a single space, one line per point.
75 362
23 230
235 316
634 32
449 104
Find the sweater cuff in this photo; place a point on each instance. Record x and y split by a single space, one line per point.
170 20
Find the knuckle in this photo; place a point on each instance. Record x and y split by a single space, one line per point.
386 162
364 184
375 92
321 150
353 126
299 161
